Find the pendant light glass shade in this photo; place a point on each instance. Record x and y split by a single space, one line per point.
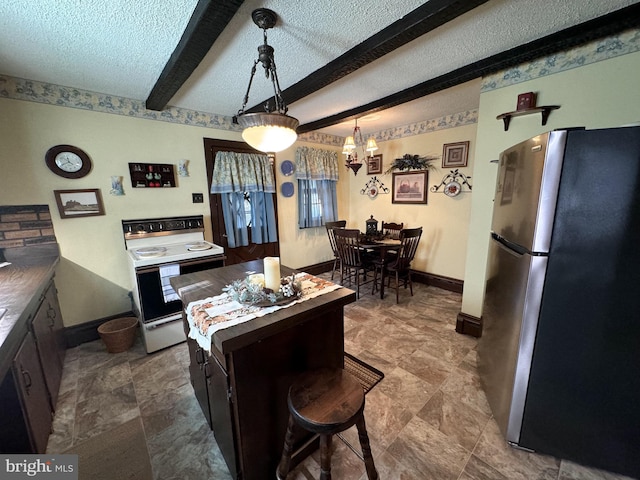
268 132
349 145
372 146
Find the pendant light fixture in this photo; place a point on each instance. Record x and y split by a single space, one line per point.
272 130
350 147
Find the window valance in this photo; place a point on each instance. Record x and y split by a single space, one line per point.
242 172
315 164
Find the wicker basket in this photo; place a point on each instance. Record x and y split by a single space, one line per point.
118 334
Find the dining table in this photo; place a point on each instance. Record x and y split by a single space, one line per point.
381 245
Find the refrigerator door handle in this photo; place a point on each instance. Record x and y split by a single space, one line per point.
510 246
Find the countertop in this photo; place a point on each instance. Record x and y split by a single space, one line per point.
22 286
208 283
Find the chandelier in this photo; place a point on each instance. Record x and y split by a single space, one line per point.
350 147
272 130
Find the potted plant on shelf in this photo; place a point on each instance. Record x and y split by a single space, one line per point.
412 162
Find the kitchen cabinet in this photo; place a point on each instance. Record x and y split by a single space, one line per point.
250 366
222 413
32 389
48 331
212 390
32 348
198 376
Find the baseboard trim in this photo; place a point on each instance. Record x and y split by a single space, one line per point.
318 268
87 332
469 325
446 283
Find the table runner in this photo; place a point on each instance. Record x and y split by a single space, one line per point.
205 317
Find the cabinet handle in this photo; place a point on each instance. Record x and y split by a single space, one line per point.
207 373
199 356
27 380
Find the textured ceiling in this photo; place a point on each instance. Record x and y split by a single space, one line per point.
120 47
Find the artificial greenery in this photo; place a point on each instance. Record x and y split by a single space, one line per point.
249 291
412 162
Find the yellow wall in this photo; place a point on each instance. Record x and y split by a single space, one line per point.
299 248
603 94
444 219
93 278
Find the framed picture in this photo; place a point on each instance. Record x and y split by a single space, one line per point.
79 203
410 187
374 164
454 155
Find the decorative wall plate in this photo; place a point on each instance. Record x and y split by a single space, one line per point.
287 189
287 167
453 184
372 191
452 189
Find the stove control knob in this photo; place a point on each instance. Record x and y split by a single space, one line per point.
140 228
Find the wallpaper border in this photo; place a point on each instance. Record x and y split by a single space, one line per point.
613 46
58 95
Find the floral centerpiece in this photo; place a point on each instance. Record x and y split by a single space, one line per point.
412 162
251 290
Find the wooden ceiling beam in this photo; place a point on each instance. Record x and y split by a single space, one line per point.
609 24
423 19
207 22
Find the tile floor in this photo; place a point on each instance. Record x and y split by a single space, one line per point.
428 418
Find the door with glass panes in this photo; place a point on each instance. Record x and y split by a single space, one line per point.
253 251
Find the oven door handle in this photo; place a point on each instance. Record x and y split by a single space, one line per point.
182 263
162 324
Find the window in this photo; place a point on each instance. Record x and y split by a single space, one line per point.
317 203
317 174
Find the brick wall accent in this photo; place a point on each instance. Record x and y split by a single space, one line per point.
24 225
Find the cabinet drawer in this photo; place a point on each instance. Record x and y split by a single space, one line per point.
33 392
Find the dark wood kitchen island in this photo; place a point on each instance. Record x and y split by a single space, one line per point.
242 384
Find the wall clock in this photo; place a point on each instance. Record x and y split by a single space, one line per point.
68 161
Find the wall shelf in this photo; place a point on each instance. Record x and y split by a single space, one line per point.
545 111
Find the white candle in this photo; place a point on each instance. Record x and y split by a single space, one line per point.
272 273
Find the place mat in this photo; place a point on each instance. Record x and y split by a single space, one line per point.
365 373
207 316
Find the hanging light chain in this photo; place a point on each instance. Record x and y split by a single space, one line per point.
266 57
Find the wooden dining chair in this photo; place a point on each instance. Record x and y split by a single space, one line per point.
332 241
355 263
392 230
401 267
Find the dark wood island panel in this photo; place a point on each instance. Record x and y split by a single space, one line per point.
245 381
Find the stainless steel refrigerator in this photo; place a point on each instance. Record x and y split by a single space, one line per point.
559 355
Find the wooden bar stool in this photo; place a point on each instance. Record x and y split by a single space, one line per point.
326 401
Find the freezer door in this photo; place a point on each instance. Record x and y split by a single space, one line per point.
526 191
510 318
